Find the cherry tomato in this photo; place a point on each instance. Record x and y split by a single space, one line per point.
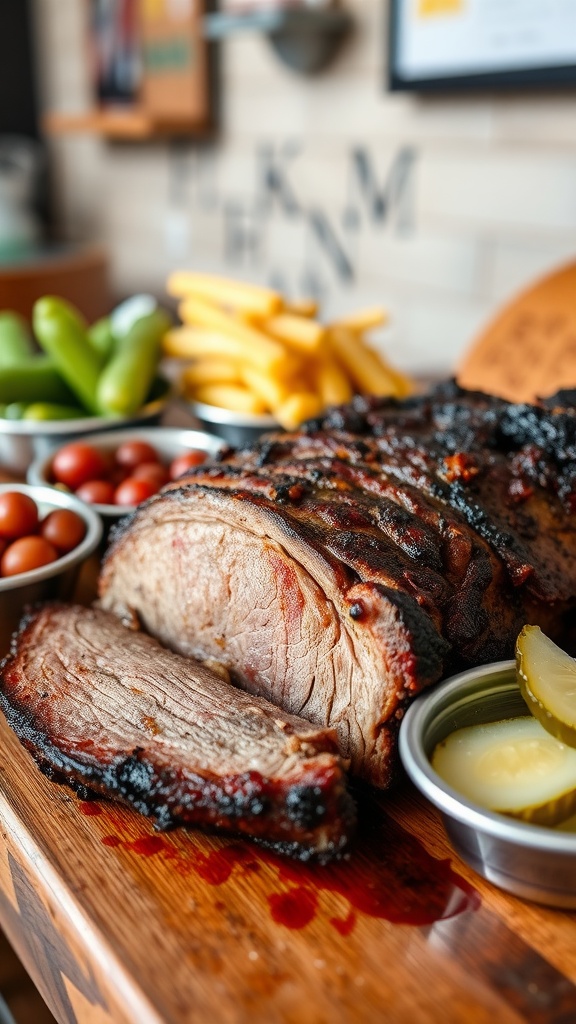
18 515
64 529
25 554
134 453
78 462
186 461
132 491
155 472
3 546
96 492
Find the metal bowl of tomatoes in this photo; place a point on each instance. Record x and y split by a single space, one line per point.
115 471
45 537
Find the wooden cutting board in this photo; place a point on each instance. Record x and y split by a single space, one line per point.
116 923
529 349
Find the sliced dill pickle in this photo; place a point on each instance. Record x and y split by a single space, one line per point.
514 767
547 678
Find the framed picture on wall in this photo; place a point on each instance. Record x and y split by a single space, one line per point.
454 44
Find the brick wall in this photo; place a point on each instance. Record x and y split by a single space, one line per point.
439 207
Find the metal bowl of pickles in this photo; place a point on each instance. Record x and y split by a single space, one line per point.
505 786
24 440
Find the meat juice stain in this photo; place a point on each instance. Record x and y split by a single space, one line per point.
146 846
344 925
388 876
294 909
91 810
111 841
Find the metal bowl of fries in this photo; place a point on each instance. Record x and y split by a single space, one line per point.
236 428
257 361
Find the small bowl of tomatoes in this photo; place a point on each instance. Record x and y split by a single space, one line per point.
45 537
117 470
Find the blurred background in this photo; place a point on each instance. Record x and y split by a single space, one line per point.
415 154
121 127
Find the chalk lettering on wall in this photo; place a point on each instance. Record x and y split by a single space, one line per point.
322 230
392 199
242 234
273 168
249 222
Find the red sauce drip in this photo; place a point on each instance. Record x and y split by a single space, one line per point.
147 846
387 875
90 809
111 840
217 866
294 909
344 925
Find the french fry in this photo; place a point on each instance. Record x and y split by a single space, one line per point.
255 351
271 390
211 371
332 383
223 292
302 307
298 332
363 320
366 369
253 345
230 396
300 406
192 343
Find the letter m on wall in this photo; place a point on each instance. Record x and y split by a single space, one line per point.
381 203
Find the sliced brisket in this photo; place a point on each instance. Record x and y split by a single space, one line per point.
339 569
101 706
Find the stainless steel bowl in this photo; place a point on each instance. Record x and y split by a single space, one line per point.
236 428
21 441
168 442
56 580
528 860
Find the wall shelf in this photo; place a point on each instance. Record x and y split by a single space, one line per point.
129 123
174 89
306 39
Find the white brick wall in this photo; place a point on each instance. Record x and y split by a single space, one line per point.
489 202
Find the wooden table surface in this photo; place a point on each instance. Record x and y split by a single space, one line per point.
117 923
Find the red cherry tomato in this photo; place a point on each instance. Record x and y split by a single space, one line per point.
182 463
132 491
25 554
64 529
96 492
154 472
134 453
18 515
78 462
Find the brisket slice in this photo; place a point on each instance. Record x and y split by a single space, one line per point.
339 569
104 707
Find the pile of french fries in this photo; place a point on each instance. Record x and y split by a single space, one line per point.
252 351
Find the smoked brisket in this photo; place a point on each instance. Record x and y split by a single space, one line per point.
106 708
340 569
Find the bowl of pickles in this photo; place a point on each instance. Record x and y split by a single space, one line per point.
494 749
65 378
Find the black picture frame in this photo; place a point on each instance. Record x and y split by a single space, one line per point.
546 77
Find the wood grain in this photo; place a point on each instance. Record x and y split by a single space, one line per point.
176 928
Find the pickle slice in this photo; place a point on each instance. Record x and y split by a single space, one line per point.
514 767
547 678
